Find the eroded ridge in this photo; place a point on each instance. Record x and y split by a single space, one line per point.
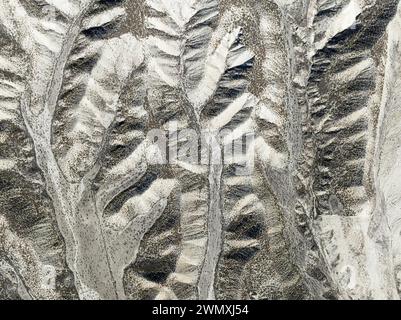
200 149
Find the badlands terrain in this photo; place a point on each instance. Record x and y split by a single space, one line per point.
200 149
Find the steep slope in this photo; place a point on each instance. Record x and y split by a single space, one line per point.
199 149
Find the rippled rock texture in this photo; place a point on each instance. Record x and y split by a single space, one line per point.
200 149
